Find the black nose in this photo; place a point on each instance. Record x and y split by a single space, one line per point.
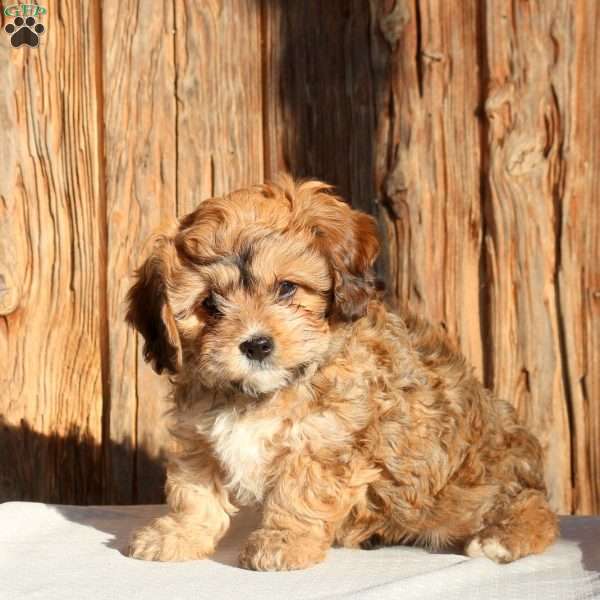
257 348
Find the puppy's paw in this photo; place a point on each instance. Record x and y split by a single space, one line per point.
170 539
272 550
491 547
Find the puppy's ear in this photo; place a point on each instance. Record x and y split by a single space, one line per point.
348 238
149 311
352 258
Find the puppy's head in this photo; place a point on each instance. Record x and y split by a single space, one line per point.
245 294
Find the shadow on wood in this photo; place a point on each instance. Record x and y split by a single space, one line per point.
69 468
319 113
321 88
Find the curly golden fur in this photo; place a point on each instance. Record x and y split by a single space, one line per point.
295 388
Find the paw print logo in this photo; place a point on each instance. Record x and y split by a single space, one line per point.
24 31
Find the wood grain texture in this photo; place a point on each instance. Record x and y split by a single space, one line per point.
468 129
428 161
219 98
140 150
50 261
171 141
473 120
501 201
578 231
528 74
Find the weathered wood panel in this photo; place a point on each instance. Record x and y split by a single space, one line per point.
428 161
578 231
140 148
527 63
472 238
50 262
219 98
172 139
452 180
318 86
467 128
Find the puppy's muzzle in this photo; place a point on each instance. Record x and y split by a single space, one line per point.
257 348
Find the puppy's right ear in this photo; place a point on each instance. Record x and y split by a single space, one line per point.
149 311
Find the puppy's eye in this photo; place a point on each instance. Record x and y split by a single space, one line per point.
286 289
209 304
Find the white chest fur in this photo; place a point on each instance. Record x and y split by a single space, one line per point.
244 446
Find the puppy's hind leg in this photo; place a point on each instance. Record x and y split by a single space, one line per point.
528 526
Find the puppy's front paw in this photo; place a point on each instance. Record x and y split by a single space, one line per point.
170 539
272 550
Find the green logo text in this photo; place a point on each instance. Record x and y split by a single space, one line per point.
24 10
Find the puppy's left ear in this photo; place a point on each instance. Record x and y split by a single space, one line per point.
352 259
149 311
348 238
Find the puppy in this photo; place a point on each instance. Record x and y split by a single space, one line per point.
295 388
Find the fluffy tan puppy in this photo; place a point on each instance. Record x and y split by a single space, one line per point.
295 388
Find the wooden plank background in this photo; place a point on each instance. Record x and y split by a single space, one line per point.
468 129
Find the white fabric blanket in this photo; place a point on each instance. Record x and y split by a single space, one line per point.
63 552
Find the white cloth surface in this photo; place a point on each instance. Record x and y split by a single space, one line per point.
66 552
